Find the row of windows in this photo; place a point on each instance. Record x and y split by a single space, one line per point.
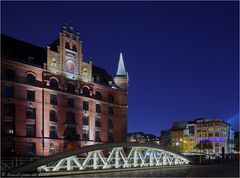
68 133
9 126
9 110
85 91
10 75
9 145
30 79
9 92
211 134
70 104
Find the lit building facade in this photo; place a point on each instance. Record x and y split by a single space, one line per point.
141 137
216 131
184 136
53 101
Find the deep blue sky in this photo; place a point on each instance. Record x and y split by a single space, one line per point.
182 57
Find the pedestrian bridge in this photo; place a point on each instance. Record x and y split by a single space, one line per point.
106 156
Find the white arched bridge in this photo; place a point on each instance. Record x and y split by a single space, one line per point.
106 156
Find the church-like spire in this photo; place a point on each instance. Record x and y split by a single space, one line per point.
121 68
121 78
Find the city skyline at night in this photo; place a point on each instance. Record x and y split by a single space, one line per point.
181 57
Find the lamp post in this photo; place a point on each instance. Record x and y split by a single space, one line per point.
63 143
200 151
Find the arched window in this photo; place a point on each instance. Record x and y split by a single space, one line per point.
86 92
70 88
9 74
31 79
97 122
98 95
84 120
52 148
54 84
53 115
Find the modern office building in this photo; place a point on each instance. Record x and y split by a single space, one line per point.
184 136
53 100
216 131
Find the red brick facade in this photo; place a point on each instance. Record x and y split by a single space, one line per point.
26 105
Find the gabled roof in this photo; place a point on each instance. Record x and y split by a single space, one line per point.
17 50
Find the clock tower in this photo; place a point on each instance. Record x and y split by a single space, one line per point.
65 57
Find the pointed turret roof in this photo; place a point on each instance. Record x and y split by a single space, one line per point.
121 68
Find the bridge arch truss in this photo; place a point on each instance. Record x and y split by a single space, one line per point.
108 156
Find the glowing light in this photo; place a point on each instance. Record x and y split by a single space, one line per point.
216 139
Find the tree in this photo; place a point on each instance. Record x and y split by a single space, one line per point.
204 145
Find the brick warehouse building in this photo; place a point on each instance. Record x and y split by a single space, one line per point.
53 101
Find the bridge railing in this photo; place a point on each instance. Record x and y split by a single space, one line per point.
11 162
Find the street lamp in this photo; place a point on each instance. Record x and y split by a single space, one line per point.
200 151
63 143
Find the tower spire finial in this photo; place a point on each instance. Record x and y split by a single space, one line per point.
121 68
121 78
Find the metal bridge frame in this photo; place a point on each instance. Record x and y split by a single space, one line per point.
140 155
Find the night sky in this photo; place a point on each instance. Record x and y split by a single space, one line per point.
182 57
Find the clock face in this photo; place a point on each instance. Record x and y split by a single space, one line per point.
70 66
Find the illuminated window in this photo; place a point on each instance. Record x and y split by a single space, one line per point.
86 92
54 84
53 99
85 105
8 127
70 102
85 120
110 110
9 147
31 79
30 95
70 88
97 122
31 113
52 148
53 132
9 74
31 148
30 130
98 108
9 91
53 115
98 96
97 135
85 133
